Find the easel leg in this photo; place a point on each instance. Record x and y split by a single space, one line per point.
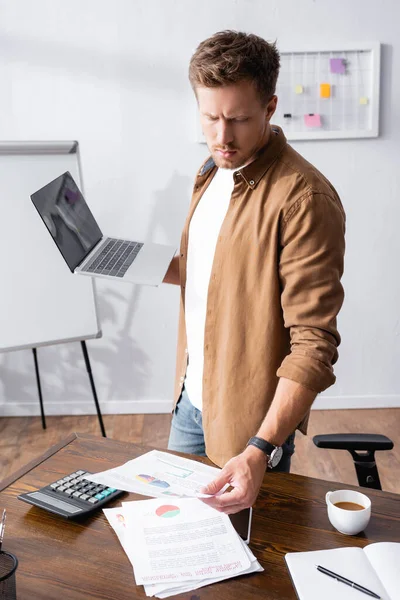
39 387
89 370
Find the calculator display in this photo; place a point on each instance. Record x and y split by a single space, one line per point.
54 502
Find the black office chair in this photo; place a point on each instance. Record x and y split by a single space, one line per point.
362 447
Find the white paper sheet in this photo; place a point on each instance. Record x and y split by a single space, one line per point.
159 474
385 559
166 590
181 541
120 521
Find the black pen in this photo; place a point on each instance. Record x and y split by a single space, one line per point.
342 579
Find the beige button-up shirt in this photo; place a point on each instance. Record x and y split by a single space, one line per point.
274 293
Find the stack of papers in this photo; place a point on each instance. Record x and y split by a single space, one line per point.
175 543
179 545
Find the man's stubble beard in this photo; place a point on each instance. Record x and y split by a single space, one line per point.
223 163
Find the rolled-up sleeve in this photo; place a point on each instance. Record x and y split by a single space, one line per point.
311 265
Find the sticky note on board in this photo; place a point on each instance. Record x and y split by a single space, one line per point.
299 89
338 65
363 100
312 120
325 90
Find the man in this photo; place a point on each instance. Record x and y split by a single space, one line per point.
259 268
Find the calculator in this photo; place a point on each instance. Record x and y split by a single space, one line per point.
72 496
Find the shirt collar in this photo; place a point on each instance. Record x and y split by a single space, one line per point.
265 158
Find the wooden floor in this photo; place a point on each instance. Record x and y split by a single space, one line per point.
22 439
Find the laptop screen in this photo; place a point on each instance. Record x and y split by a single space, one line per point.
68 218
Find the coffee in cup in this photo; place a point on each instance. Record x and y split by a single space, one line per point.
348 511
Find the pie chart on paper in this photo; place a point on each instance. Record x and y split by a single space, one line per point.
152 480
167 511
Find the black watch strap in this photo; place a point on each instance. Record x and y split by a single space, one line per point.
273 453
262 445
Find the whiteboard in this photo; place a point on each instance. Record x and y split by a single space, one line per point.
338 85
41 301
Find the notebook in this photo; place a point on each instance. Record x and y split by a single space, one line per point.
375 567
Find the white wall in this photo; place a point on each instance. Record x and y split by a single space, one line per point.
113 75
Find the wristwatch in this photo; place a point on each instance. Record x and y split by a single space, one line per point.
273 453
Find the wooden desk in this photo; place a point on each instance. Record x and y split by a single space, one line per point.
63 559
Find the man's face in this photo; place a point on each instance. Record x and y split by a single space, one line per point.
234 122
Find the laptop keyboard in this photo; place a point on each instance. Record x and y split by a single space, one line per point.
114 258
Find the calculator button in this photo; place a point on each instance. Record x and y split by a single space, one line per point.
106 493
84 497
112 490
69 491
60 488
74 481
59 482
80 472
76 494
100 496
54 485
93 500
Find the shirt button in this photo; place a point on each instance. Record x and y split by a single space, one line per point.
251 181
186 350
182 378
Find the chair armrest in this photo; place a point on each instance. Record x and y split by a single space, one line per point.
353 441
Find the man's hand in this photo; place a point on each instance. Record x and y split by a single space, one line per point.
245 474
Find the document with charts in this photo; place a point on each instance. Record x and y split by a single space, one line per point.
159 474
179 546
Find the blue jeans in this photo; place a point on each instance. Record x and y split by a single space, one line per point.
187 433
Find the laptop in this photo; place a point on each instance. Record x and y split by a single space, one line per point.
85 249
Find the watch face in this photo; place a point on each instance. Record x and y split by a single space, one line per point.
276 456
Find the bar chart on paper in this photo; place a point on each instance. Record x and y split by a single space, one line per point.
331 93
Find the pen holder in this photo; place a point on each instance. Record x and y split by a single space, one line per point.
8 566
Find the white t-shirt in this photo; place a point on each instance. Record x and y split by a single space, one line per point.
203 234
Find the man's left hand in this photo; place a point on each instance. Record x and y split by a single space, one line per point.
244 473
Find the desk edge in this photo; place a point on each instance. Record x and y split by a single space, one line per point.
36 461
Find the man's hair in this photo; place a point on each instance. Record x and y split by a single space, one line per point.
229 57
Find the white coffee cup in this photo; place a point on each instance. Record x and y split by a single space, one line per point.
349 522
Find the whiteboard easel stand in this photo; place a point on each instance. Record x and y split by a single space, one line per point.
25 166
89 370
